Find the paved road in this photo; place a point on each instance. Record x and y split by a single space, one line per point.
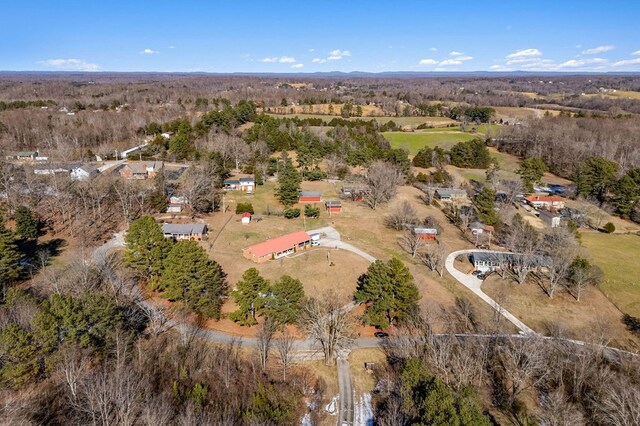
473 284
346 406
308 347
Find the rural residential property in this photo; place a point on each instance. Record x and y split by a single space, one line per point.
141 170
184 231
276 248
316 213
246 184
549 202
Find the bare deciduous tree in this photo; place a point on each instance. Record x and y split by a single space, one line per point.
561 250
404 215
383 180
412 242
522 364
264 337
328 324
284 349
433 256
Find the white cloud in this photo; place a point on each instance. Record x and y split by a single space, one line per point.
637 52
334 55
338 52
433 49
599 49
499 68
312 50
172 47
281 59
456 60
297 65
627 62
577 63
70 65
525 53
455 53
149 52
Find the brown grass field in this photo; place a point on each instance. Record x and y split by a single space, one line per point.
585 320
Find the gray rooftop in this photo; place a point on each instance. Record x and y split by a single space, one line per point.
451 191
310 194
183 228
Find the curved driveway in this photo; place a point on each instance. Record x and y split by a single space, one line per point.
473 284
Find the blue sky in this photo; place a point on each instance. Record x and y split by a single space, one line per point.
328 35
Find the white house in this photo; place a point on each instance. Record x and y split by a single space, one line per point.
85 172
174 208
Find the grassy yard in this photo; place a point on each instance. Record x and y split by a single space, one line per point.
563 315
414 142
617 255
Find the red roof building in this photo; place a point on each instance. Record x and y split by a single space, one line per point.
333 206
545 201
276 248
309 197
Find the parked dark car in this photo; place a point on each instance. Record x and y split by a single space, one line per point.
381 334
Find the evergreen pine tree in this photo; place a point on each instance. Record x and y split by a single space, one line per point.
10 268
191 277
249 295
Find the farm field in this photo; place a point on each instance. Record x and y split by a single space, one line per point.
617 256
410 122
414 142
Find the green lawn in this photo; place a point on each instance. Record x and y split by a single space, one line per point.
617 255
414 142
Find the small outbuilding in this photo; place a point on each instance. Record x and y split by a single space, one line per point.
174 208
550 218
245 218
309 197
427 234
26 155
333 206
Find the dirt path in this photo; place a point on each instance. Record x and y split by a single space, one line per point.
346 408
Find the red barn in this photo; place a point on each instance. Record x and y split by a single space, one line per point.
309 197
333 206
